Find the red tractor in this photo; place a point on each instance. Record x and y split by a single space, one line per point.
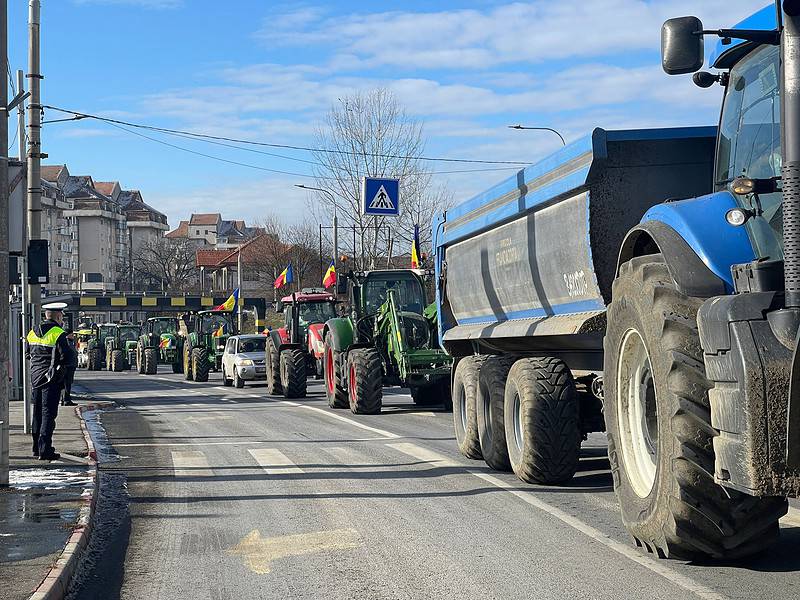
296 350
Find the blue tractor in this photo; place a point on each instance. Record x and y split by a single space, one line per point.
647 284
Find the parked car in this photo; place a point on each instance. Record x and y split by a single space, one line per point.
244 359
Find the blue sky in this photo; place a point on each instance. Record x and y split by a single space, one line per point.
268 71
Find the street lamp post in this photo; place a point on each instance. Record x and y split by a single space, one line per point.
561 137
335 222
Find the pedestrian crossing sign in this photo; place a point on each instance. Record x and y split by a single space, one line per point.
380 197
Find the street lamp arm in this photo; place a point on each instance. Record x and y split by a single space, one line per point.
561 137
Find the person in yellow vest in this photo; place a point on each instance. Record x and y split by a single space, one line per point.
49 354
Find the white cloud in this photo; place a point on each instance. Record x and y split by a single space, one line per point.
532 32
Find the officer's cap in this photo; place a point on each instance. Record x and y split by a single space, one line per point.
55 306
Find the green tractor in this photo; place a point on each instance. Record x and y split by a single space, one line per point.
204 336
121 346
159 344
96 346
389 339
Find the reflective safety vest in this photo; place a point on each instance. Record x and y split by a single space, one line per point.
42 350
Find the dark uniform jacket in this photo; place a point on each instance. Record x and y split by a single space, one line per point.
42 342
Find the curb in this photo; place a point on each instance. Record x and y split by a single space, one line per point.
56 582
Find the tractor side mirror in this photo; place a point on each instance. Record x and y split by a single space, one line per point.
682 49
279 307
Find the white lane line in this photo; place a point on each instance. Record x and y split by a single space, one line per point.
157 444
188 463
636 556
274 462
382 432
792 517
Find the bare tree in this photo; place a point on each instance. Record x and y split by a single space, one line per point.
171 262
371 135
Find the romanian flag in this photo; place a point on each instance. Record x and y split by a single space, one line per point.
286 277
231 303
219 332
164 343
415 249
330 276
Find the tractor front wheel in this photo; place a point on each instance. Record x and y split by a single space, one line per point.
293 373
188 375
200 364
273 362
117 361
335 390
150 358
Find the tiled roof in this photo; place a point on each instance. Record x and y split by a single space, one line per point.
105 187
210 258
181 231
205 219
51 172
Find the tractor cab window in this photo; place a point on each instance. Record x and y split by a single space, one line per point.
316 312
407 293
128 335
160 327
215 323
750 142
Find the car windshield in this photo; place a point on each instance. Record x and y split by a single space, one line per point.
253 345
408 294
128 334
160 327
317 312
211 323
750 143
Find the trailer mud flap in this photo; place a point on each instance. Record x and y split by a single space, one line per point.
749 369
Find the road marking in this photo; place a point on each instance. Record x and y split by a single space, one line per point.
792 517
636 556
208 418
381 432
424 454
157 444
188 463
274 462
259 553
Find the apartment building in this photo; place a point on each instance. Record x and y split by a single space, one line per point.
210 229
58 229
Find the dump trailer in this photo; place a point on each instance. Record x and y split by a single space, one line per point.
647 283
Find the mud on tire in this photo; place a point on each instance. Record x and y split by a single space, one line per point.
293 373
685 514
365 381
464 394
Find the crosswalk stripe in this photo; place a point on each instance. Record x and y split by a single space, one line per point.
188 463
423 454
274 462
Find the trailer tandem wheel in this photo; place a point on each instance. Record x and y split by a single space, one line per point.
542 424
658 417
490 403
365 381
464 394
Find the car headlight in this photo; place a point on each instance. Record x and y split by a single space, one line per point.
245 362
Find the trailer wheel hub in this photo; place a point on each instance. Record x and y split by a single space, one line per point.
637 413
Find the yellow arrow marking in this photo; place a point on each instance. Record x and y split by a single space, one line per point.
258 552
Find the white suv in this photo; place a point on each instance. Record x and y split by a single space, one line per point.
244 360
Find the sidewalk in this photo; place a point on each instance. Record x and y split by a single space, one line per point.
43 504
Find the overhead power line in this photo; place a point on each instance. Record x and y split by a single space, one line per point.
77 116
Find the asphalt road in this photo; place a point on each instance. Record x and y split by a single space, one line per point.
222 493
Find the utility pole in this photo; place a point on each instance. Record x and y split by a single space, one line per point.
23 262
239 284
35 148
4 313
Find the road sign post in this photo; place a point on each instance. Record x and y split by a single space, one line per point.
380 196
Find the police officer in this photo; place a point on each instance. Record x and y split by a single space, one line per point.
49 354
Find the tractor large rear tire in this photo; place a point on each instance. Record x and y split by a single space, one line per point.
293 373
150 357
542 424
489 408
464 394
200 364
273 362
117 361
365 381
188 375
669 499
335 390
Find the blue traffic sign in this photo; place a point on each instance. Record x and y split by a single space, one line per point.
380 197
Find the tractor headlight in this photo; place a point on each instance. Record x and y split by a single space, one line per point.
245 362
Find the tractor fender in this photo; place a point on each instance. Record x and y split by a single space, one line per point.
341 333
280 337
316 345
697 243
